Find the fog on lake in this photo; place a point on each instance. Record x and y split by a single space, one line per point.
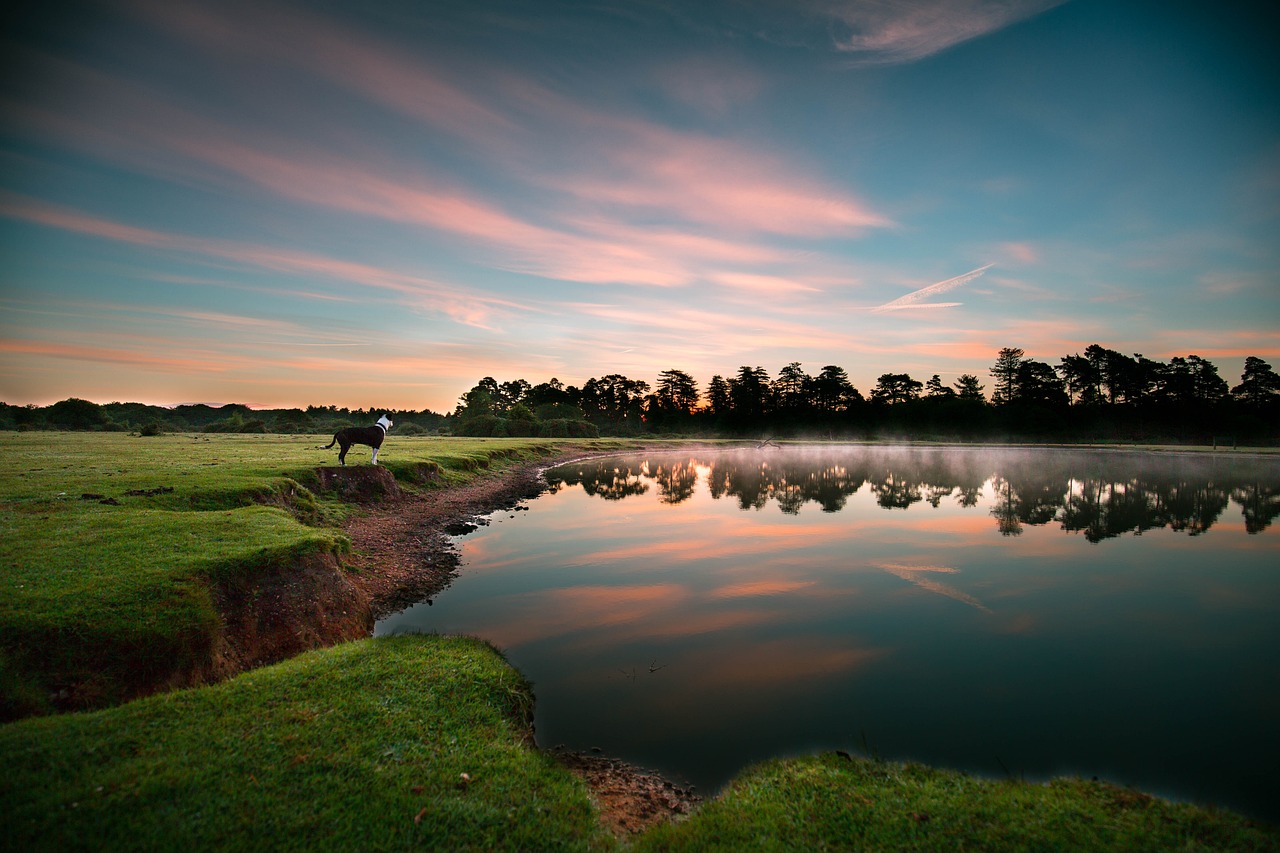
1030 612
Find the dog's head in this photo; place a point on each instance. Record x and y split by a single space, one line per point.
384 422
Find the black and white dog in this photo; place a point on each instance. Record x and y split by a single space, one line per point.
371 436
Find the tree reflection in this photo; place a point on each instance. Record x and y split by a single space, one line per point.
1099 495
1261 503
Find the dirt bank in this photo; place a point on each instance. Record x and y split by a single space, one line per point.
402 549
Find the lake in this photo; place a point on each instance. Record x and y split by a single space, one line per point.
1024 612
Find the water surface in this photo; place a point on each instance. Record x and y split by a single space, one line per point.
1034 612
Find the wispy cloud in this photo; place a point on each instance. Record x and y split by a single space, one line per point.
462 306
912 300
878 32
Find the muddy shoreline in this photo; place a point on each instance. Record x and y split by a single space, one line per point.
401 547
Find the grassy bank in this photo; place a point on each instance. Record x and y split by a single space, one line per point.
358 747
363 747
114 547
839 802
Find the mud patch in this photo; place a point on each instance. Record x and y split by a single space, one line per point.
630 799
359 483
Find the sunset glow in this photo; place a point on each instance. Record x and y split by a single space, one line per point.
270 204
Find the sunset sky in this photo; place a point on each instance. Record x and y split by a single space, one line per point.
379 203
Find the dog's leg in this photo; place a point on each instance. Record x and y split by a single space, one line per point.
342 454
375 456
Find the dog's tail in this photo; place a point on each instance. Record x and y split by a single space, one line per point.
332 443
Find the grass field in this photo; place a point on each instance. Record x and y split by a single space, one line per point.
112 545
364 745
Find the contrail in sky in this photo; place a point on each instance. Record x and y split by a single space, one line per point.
911 299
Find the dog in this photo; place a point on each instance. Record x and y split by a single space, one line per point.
371 436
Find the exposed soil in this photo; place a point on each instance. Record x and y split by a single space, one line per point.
629 798
274 617
402 553
402 550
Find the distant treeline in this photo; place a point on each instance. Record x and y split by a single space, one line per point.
1100 394
77 414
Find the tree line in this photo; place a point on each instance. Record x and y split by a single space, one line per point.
78 414
1097 394
1100 394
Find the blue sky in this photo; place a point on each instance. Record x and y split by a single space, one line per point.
377 204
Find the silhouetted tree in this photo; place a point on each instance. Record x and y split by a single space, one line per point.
750 395
936 389
892 388
673 401
832 392
718 401
1005 372
968 388
1038 383
1259 384
789 389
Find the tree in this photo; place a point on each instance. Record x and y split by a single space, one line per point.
968 388
513 392
677 392
1259 384
478 402
1005 372
892 388
718 396
750 394
1081 379
789 388
1191 380
74 413
1038 383
937 390
673 401
831 391
547 393
614 401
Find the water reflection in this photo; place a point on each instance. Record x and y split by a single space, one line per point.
1099 495
1095 613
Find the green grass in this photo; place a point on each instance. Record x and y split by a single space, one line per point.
357 747
834 802
108 601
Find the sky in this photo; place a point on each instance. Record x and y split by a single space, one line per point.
376 204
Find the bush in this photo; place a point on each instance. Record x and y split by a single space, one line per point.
567 428
151 429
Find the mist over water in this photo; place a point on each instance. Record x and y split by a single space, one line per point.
1034 612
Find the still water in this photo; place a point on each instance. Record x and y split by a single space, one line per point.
1026 612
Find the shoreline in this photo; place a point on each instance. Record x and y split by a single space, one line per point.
402 553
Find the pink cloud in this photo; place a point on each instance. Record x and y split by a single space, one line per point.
1024 253
117 355
461 306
